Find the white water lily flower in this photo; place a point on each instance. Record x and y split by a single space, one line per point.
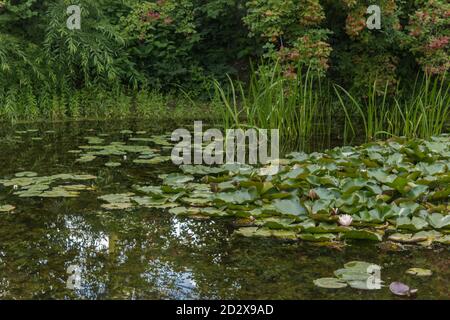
124 157
345 220
15 187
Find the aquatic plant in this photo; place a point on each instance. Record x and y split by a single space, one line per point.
396 189
422 111
272 100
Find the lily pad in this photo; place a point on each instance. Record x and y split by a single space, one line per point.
87 158
263 232
7 208
113 164
363 235
26 174
330 283
317 237
439 221
414 224
419 272
406 238
155 160
238 197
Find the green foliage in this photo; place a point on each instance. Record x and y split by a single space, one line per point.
422 112
126 47
292 30
296 106
429 36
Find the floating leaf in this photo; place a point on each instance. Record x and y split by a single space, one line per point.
419 272
406 238
7 208
176 178
238 197
414 224
317 237
26 174
439 221
290 206
330 283
87 158
155 160
363 235
263 232
113 164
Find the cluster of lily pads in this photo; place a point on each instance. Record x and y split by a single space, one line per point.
366 276
29 134
396 189
356 274
28 184
96 147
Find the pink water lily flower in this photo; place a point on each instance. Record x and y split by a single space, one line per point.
345 220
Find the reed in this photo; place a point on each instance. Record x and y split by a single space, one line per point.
421 111
296 106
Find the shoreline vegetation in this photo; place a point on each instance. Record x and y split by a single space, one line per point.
304 107
307 70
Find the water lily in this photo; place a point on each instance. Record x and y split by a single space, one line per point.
345 220
15 187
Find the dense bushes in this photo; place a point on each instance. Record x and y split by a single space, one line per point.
166 44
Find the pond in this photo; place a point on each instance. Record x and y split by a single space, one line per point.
148 253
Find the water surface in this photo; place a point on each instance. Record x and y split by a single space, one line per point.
149 254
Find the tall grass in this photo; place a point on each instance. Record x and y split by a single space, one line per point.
295 106
422 111
95 102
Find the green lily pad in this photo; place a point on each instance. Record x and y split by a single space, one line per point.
419 272
263 232
94 140
406 238
414 224
176 178
317 237
363 235
117 206
113 164
87 158
358 275
7 208
26 174
330 283
155 160
238 197
291 206
59 192
126 132
439 221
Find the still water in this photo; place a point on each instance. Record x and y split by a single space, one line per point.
149 254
